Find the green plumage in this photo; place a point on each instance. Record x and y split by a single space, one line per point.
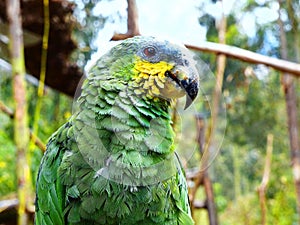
113 161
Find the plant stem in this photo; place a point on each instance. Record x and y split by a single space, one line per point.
21 131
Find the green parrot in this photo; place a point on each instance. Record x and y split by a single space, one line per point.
113 162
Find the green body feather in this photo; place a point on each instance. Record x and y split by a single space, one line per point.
113 162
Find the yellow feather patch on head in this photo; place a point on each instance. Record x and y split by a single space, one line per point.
150 77
146 69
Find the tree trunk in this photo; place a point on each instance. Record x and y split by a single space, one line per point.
21 131
295 32
291 107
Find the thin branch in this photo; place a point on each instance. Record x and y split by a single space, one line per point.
8 204
37 141
192 173
265 180
33 137
247 56
6 110
132 23
43 70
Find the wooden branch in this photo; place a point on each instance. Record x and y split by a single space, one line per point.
247 56
8 204
191 174
33 137
37 141
6 110
8 209
132 23
210 201
265 180
43 69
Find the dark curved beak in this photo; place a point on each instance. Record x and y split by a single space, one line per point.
191 88
188 82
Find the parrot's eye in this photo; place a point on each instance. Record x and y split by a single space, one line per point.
150 51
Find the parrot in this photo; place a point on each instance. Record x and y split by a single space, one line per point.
114 160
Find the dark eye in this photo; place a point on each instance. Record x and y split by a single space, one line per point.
150 51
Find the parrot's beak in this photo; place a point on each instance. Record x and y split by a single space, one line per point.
192 91
187 79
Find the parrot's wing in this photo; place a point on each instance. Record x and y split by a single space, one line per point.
183 203
49 198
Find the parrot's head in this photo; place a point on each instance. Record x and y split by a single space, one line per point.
157 69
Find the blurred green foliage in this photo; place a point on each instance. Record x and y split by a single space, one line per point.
56 108
7 164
